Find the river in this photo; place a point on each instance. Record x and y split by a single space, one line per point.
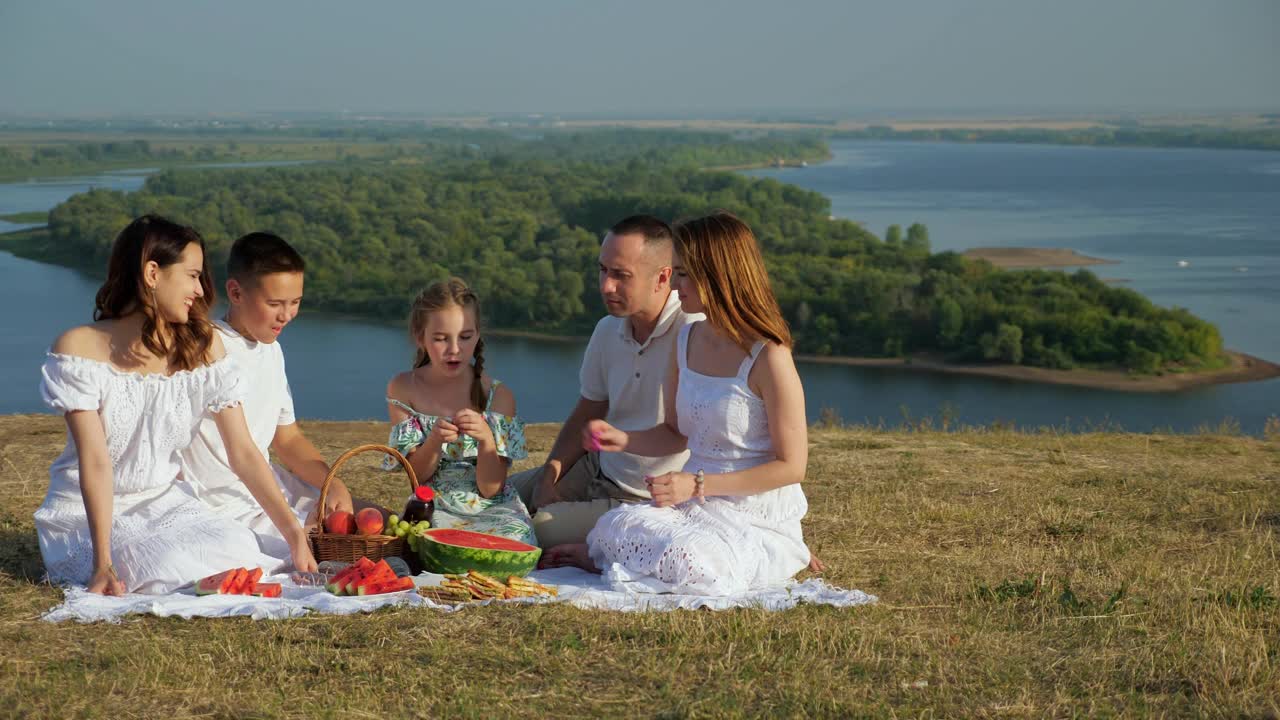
1218 212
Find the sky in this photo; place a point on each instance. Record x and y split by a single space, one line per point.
650 58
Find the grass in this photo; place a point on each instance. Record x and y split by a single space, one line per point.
1020 575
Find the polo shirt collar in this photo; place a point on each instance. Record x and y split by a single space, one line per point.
665 321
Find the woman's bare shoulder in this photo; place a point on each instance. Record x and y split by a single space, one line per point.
87 341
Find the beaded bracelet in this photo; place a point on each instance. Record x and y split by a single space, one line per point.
699 490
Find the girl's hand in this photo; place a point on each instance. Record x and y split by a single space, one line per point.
600 436
442 432
470 422
670 489
105 582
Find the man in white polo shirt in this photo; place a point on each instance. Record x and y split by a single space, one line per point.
621 380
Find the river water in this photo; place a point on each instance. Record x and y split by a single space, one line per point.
1218 212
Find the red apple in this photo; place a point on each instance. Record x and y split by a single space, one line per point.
340 523
369 521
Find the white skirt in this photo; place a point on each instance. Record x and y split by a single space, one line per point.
695 549
161 539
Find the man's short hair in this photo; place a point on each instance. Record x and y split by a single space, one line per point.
261 253
654 230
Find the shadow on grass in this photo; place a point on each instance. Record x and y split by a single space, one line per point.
20 550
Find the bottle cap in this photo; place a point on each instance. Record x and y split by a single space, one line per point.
424 493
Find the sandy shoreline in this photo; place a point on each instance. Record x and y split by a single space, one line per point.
1021 258
1243 368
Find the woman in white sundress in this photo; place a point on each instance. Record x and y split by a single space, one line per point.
133 386
730 521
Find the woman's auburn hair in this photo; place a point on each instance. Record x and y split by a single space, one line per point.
722 258
438 296
152 238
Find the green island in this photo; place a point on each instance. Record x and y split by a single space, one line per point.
1039 574
521 219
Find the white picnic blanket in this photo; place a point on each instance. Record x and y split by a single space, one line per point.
576 587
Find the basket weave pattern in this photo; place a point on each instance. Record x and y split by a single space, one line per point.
349 548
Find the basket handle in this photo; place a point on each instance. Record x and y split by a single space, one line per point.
373 447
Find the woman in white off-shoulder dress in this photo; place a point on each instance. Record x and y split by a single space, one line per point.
133 387
730 522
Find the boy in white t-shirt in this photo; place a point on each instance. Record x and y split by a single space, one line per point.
264 290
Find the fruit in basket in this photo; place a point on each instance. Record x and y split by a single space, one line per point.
369 521
446 550
340 523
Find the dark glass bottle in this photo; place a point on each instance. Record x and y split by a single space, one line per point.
421 505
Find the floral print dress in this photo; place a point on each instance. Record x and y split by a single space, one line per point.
458 500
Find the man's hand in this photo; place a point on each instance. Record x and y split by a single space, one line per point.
545 489
600 436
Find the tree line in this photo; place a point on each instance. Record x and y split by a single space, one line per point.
524 230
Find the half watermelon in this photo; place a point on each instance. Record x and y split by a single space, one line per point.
446 550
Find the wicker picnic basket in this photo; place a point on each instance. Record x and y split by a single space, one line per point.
348 548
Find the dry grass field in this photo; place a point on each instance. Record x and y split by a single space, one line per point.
1020 575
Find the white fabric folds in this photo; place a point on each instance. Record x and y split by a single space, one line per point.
578 588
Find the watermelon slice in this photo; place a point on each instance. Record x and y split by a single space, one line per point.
229 582
250 579
380 574
232 585
446 550
341 588
335 583
270 590
390 586
348 586
212 585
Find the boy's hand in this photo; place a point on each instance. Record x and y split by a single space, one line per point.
339 498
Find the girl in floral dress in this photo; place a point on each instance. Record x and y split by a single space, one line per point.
455 424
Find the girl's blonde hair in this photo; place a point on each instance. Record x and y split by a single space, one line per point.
447 293
722 258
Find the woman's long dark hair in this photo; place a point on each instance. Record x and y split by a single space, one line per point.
153 238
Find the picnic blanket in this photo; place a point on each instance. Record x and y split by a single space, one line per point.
576 587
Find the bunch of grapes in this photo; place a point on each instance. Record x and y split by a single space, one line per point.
405 529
